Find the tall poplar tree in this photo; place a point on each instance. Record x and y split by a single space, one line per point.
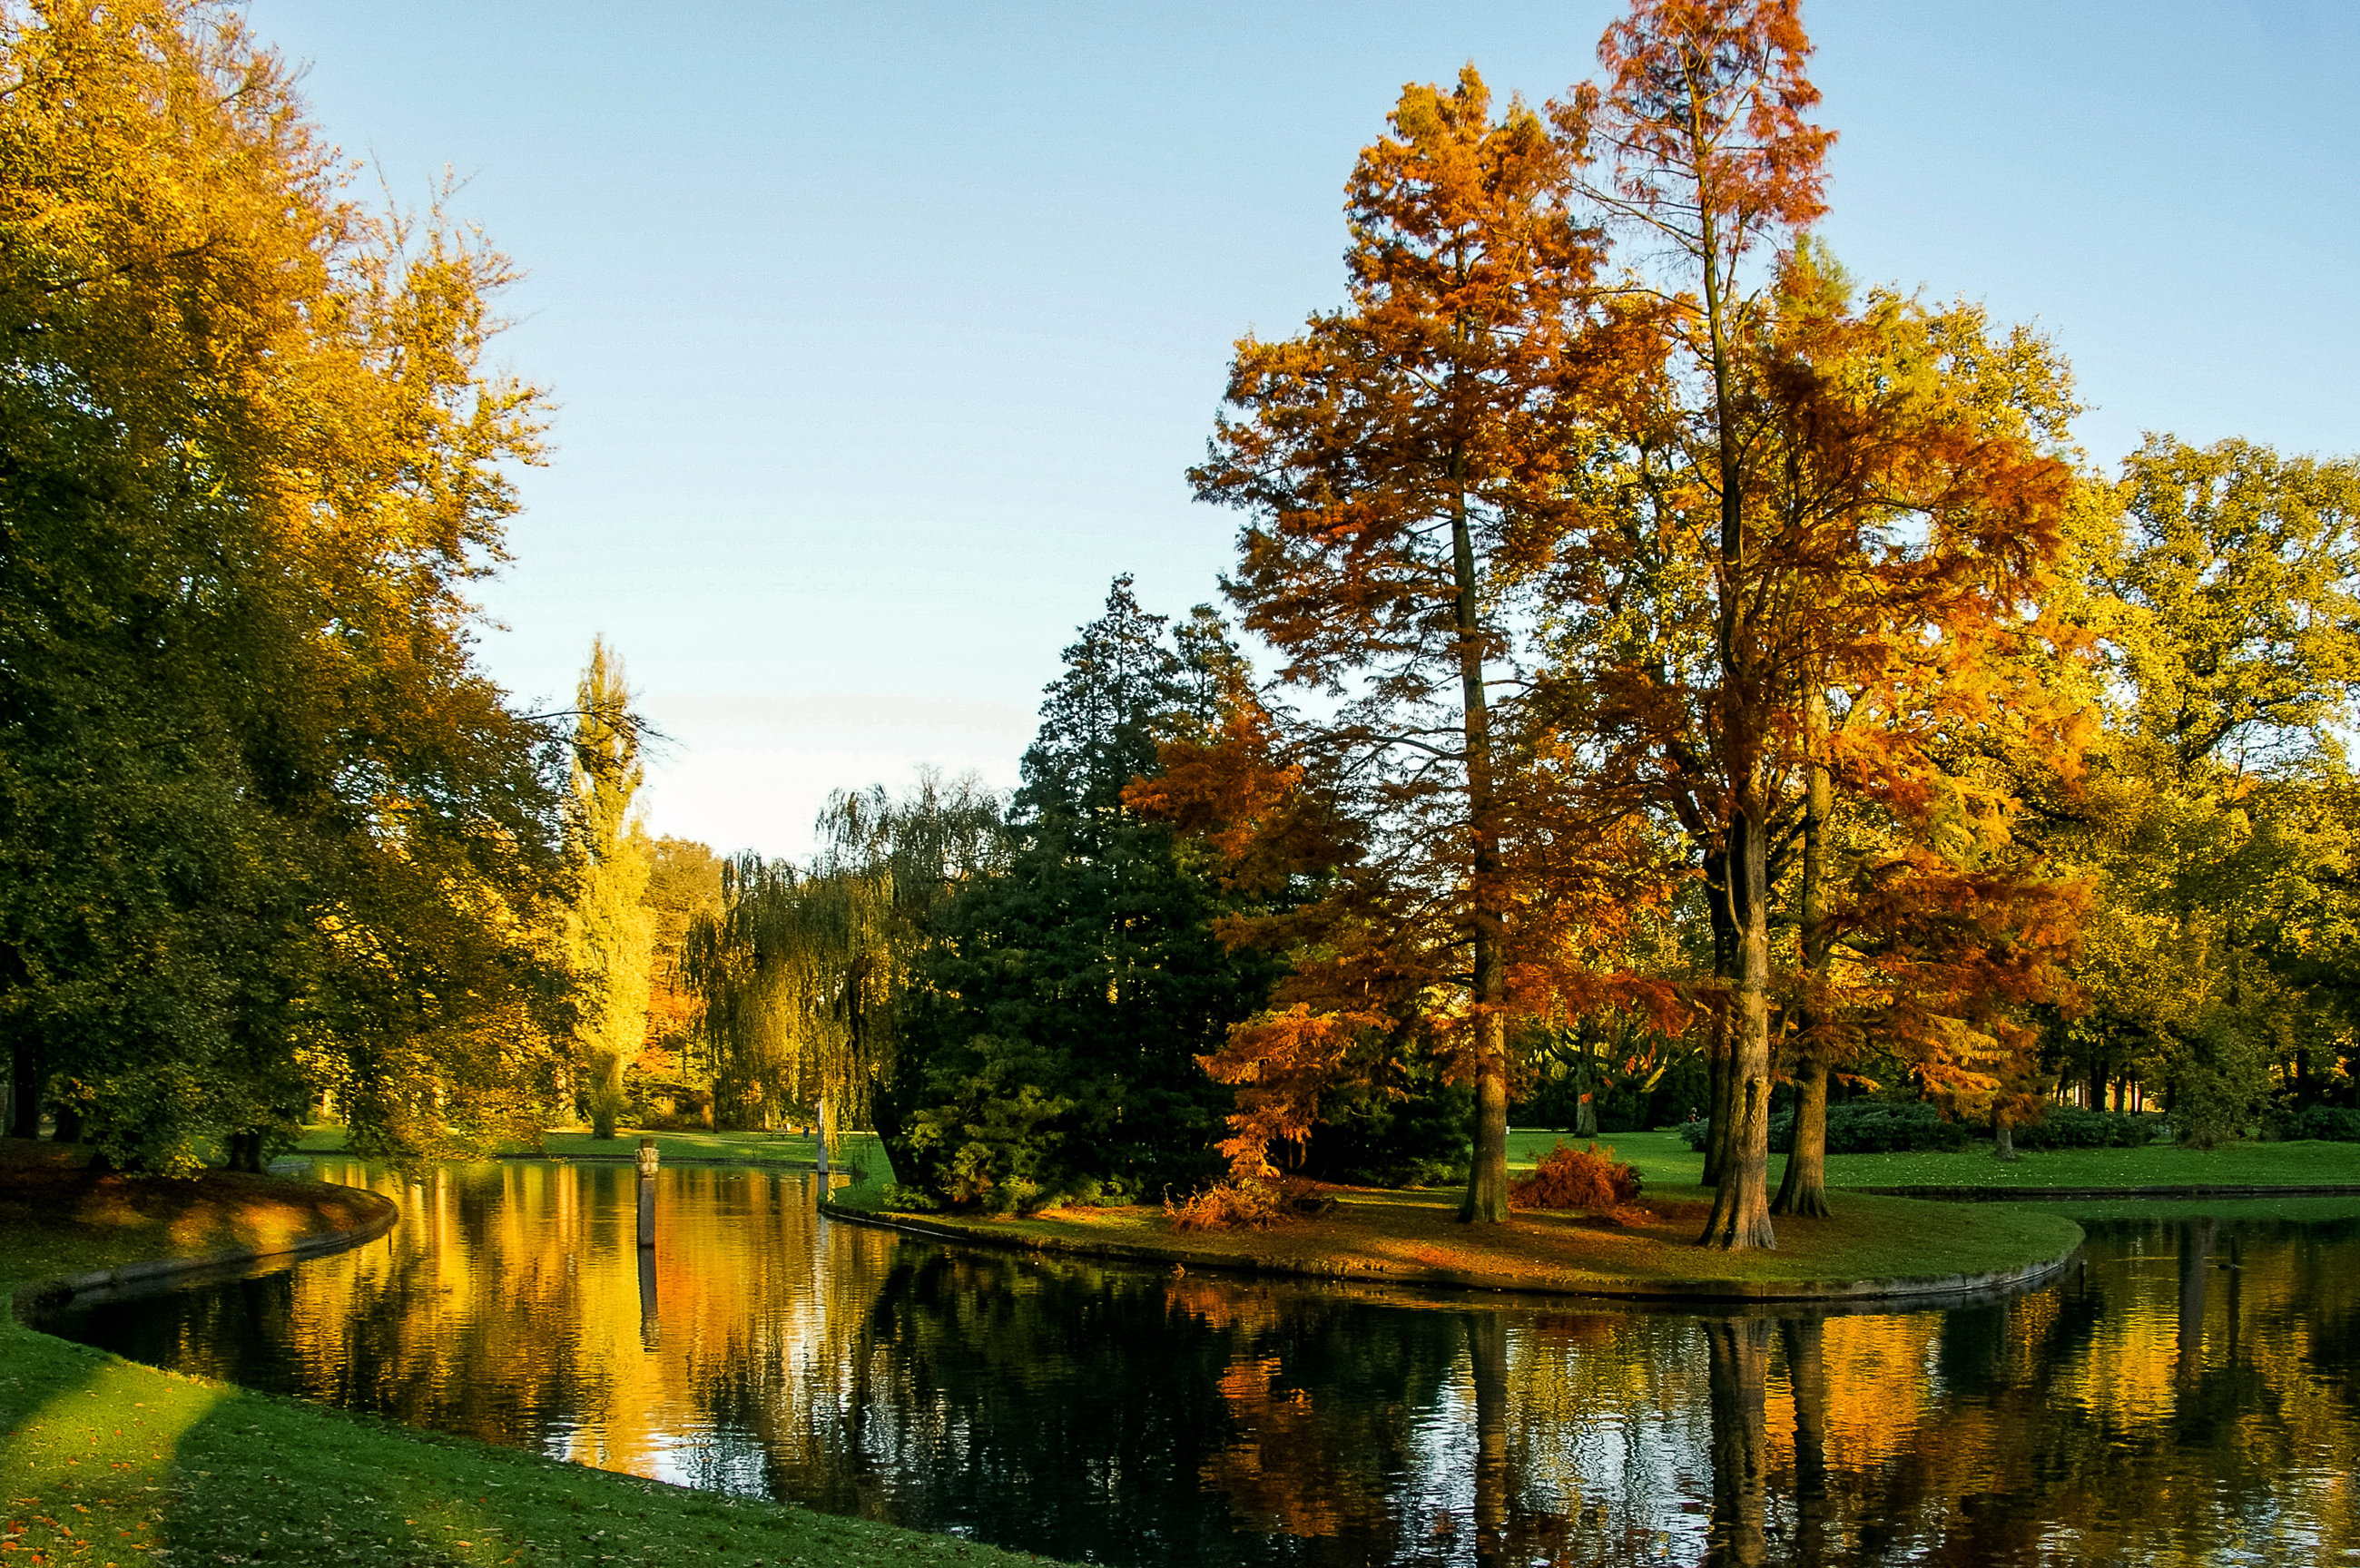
609 929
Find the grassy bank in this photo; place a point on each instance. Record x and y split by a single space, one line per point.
1662 1158
104 1460
863 1149
1415 1237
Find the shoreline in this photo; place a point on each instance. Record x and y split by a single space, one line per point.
386 1214
1343 1266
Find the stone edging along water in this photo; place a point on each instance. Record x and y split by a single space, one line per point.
1361 1270
49 1292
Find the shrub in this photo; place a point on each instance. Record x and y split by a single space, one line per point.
1231 1205
1570 1178
2327 1124
2069 1126
1861 1127
907 1200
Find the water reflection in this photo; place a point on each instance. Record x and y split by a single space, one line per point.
2191 1396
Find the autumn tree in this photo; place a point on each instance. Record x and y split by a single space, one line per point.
1705 154
609 928
267 831
1402 462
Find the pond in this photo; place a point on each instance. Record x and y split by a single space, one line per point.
2191 1394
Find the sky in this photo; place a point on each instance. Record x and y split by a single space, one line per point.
882 335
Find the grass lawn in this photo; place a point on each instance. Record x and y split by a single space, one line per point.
1415 1237
1661 1157
863 1149
104 1460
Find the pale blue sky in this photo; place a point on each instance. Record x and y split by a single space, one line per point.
882 334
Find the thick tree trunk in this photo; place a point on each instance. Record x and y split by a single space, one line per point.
25 1085
245 1152
67 1118
2003 1136
1741 1205
1487 1172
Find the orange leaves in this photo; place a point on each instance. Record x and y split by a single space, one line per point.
1280 1062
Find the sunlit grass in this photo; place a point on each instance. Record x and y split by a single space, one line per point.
1415 1237
102 1461
1661 1157
864 1151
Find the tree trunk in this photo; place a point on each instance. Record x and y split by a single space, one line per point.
1585 1115
1803 1190
2003 1136
69 1123
25 1084
245 1152
1741 1205
1487 1172
1724 975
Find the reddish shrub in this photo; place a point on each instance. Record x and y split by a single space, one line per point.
1231 1206
1570 1178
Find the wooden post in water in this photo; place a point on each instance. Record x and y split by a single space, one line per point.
647 1193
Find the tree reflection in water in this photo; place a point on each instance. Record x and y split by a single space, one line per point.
2191 1396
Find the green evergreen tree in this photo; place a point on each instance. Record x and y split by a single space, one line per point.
1055 1053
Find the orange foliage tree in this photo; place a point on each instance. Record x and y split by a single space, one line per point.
1812 546
1404 466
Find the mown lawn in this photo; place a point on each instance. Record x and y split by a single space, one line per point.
104 1460
1661 1157
862 1150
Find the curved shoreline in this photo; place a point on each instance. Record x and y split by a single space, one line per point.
1369 1271
147 1270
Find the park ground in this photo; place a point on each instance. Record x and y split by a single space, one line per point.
106 1462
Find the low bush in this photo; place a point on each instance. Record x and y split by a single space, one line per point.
1568 1178
907 1200
2069 1126
2327 1124
1861 1127
1231 1205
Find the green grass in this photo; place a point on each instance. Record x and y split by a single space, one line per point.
864 1149
1661 1157
104 1461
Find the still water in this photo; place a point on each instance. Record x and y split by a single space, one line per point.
2191 1395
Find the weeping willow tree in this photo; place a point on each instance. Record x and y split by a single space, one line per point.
803 972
